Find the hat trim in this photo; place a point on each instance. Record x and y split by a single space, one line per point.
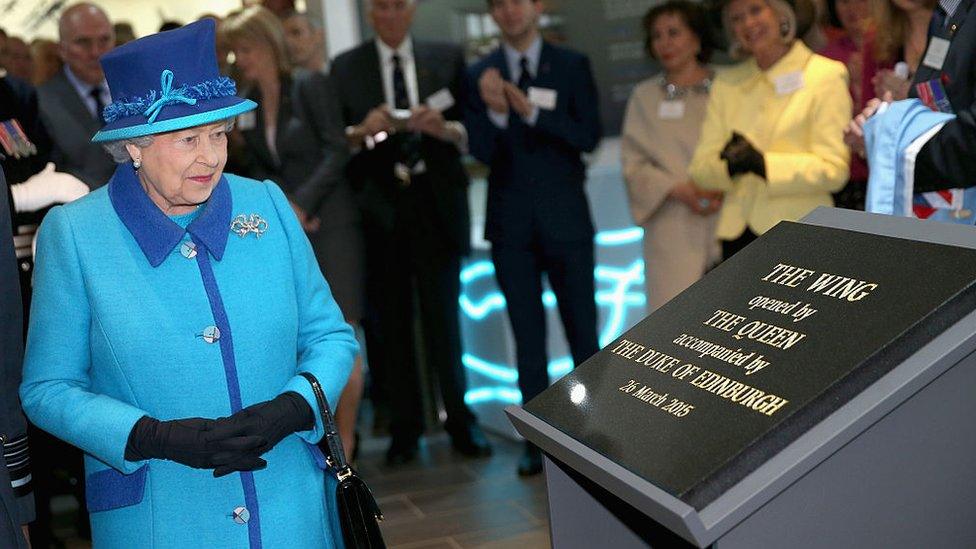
172 124
208 89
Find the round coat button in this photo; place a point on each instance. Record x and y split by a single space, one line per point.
189 250
241 515
211 334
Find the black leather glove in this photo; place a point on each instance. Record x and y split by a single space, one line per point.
192 442
741 157
270 421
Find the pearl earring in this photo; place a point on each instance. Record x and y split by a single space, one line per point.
137 163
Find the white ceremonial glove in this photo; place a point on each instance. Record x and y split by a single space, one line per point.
46 188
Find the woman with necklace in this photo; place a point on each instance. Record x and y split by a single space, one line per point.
661 127
772 139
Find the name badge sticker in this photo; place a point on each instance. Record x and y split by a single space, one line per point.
936 53
788 83
672 109
247 121
441 100
544 98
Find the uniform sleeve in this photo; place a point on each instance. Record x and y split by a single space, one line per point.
56 390
947 161
326 344
648 182
484 136
825 167
15 481
707 170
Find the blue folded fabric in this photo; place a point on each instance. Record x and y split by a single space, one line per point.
890 188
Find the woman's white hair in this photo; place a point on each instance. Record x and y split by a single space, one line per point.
121 155
787 29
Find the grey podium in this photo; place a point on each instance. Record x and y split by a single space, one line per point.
892 465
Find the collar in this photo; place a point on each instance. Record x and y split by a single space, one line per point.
673 91
404 50
84 88
950 7
795 60
157 234
532 54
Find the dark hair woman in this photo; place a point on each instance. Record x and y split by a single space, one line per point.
661 127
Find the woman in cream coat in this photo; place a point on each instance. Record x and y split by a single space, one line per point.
772 140
661 127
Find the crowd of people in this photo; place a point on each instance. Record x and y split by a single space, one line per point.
364 230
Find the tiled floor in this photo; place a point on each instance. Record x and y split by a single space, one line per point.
445 500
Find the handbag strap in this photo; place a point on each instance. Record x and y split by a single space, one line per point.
336 455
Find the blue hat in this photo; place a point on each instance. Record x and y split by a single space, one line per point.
167 81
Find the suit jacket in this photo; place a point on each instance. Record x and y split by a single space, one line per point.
71 128
948 159
14 511
93 368
311 149
799 130
537 173
358 84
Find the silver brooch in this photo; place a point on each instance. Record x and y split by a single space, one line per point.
243 224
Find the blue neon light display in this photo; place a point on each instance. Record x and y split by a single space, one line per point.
619 290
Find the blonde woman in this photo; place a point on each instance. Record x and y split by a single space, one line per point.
661 127
296 140
772 139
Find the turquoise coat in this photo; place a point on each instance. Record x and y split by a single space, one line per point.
126 302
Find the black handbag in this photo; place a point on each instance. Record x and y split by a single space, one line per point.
354 504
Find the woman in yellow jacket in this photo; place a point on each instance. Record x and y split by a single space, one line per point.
772 139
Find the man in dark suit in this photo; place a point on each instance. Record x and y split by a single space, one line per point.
400 102
16 499
72 101
946 160
531 112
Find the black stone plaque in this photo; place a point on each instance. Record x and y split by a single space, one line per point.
709 387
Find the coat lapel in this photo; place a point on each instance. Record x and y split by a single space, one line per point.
795 61
959 16
74 104
498 61
426 77
372 79
543 77
285 110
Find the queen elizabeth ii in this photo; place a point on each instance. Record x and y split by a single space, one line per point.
173 312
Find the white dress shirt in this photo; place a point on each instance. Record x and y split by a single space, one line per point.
84 91
513 58
409 68
407 64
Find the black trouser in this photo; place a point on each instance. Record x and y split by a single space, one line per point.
414 268
732 247
569 268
